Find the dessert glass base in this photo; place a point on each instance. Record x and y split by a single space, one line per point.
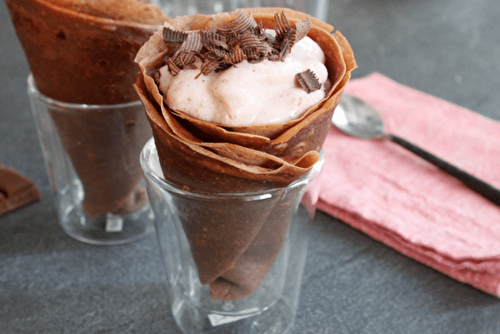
189 223
91 155
104 229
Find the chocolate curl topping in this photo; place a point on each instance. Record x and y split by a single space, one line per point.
192 43
308 81
213 40
208 67
172 67
243 23
185 56
302 29
283 27
171 36
286 36
222 48
253 46
237 57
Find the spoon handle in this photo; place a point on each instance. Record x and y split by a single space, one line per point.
479 186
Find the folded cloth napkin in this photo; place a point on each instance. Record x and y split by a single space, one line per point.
400 199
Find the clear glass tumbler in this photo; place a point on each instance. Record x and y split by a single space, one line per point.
234 261
91 155
316 8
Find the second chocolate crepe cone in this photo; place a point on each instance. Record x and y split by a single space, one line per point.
104 155
78 57
209 157
82 52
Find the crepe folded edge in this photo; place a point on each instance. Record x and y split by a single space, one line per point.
277 153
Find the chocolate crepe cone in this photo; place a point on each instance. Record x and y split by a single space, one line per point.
250 269
225 234
82 52
204 156
105 155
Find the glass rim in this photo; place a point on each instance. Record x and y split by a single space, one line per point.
150 149
33 91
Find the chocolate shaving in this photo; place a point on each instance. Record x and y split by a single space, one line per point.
286 36
251 44
192 43
185 56
213 39
219 44
238 55
285 49
171 36
181 60
208 67
282 26
215 66
308 80
243 23
302 29
172 67
223 48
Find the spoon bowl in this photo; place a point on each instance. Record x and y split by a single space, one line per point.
358 118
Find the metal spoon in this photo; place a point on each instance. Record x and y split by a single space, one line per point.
357 118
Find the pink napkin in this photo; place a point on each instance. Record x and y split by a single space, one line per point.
400 199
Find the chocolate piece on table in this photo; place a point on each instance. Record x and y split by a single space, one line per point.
16 190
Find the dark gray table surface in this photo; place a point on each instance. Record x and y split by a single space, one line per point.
50 283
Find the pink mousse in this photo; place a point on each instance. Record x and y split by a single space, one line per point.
248 93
